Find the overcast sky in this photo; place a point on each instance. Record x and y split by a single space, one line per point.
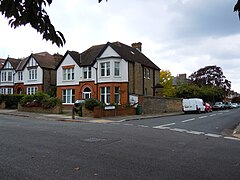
177 35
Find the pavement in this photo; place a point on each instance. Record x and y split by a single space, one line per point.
67 117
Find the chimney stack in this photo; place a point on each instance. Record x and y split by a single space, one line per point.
137 46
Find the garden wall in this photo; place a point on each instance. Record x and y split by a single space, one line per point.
3 105
158 105
119 111
55 110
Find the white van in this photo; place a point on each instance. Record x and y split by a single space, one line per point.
193 105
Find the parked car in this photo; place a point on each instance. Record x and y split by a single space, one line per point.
235 105
228 105
208 107
218 106
193 105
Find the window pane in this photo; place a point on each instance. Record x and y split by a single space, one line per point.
89 72
108 69
116 68
102 69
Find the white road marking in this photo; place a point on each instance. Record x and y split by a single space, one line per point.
143 126
126 124
213 135
195 132
161 127
213 115
187 120
168 124
232 138
178 130
220 113
202 117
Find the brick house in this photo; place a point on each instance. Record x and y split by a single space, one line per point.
109 72
37 73
7 73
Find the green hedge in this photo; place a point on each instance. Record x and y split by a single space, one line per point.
11 100
39 100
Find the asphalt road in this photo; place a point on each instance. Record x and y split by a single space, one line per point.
194 146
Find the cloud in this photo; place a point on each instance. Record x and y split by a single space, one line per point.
179 35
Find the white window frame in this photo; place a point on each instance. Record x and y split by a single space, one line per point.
6 91
86 94
68 96
10 76
116 68
32 74
20 75
32 90
4 76
87 72
105 94
105 69
68 74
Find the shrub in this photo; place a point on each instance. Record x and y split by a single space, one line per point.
11 100
39 100
91 103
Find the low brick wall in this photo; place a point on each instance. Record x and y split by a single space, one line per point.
56 110
157 105
3 105
119 111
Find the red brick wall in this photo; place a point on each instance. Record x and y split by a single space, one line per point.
119 111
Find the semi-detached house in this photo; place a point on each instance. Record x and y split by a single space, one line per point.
36 73
110 72
7 75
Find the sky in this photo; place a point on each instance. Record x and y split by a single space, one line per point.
181 36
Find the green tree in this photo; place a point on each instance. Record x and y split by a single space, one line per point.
211 75
208 93
166 80
237 8
23 12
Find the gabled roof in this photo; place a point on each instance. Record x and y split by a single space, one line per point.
132 54
14 62
89 57
44 60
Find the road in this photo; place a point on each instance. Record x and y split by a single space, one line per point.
194 146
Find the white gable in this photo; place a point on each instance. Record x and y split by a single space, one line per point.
109 52
32 62
8 66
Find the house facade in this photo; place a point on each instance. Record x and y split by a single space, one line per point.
7 73
109 72
36 73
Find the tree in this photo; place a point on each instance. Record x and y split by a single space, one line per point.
211 75
23 12
207 93
166 80
237 8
